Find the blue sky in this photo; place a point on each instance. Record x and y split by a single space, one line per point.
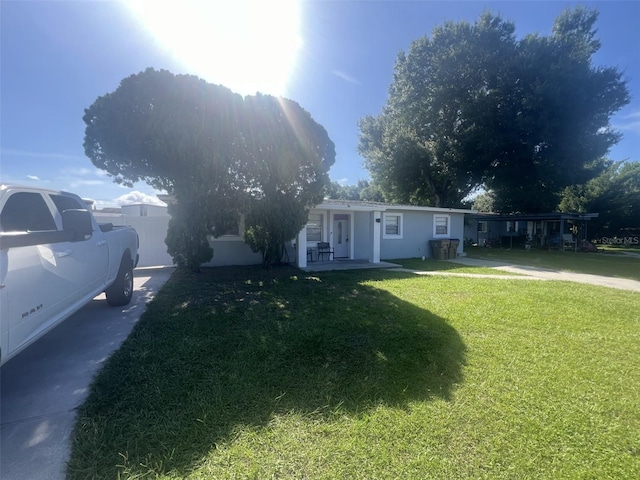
335 58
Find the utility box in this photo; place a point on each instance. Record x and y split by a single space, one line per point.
440 248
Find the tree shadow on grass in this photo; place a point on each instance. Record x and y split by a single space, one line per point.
238 347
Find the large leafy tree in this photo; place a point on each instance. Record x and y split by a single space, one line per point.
558 117
286 166
217 153
180 134
170 131
421 148
471 106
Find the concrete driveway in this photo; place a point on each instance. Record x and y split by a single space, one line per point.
550 274
41 387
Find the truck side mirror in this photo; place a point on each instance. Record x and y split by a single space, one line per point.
79 222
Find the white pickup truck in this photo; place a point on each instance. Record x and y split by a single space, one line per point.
54 258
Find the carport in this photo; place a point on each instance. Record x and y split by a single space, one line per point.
538 230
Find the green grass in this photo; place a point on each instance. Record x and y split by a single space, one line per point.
243 373
608 265
431 265
619 248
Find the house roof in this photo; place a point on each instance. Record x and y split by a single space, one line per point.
360 205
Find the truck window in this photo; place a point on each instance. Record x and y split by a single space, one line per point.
64 202
26 211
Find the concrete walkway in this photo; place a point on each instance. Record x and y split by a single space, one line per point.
534 273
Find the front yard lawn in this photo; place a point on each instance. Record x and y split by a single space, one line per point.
602 263
431 265
372 374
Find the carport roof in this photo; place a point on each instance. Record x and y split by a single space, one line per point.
557 216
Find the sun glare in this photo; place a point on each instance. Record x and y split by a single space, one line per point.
247 45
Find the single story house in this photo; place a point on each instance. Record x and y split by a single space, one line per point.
547 230
371 231
354 230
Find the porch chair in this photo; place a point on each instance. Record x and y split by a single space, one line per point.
568 241
324 249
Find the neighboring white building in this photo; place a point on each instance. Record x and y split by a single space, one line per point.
151 222
144 210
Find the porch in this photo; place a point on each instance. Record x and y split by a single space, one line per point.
346 264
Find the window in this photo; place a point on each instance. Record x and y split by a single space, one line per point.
483 227
314 227
392 225
26 211
64 202
231 229
441 225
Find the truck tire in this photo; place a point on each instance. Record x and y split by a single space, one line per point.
121 291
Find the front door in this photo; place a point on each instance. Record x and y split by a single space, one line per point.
341 236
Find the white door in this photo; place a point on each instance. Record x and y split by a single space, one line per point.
341 236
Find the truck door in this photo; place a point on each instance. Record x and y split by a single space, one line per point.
35 289
85 262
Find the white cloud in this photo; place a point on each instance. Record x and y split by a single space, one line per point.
33 177
138 197
85 183
41 155
346 77
79 171
630 122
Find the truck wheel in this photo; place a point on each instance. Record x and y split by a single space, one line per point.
121 291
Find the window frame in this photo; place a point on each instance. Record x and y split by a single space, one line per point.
39 213
435 225
393 236
319 226
231 237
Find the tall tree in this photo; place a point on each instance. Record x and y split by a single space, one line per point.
180 134
170 131
421 148
471 106
559 116
217 153
287 160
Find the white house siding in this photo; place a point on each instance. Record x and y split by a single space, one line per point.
457 231
415 235
152 231
417 231
234 251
